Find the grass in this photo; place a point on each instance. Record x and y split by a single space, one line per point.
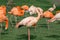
42 32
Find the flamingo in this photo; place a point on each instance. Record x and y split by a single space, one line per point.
48 14
32 10
29 21
18 11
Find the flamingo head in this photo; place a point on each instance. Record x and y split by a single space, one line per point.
52 8
32 10
18 7
25 7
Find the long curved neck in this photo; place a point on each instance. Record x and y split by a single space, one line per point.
39 14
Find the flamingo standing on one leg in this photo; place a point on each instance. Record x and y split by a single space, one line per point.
18 11
29 21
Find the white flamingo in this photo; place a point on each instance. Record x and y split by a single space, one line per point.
29 21
32 10
52 8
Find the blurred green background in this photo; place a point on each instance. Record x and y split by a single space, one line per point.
42 31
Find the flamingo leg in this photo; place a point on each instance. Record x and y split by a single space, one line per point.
28 33
0 27
47 24
35 28
11 20
15 19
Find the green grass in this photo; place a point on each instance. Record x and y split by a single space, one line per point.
42 31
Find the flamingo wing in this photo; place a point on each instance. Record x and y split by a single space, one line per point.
27 20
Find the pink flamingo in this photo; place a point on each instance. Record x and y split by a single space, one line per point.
29 21
18 11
